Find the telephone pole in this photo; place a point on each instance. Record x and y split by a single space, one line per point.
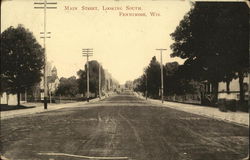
146 85
87 52
100 81
161 74
45 5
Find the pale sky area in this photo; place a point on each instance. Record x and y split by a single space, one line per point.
123 44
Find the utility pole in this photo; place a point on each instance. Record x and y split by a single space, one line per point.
161 74
100 81
249 85
45 5
146 85
86 52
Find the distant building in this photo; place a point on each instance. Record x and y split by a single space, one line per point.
52 81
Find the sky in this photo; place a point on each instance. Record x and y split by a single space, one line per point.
124 45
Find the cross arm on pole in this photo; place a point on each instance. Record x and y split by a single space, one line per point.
86 52
47 35
47 5
161 49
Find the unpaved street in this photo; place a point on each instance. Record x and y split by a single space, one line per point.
121 127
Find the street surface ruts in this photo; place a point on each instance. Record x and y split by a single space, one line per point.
122 126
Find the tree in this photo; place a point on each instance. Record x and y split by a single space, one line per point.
171 82
82 81
93 78
213 38
175 82
140 84
68 87
153 74
129 85
22 59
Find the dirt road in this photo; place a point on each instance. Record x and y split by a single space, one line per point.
121 127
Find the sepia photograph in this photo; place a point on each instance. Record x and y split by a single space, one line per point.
124 80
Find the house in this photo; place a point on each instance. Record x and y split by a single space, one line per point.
35 93
234 89
52 82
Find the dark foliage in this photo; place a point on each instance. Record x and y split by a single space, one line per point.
214 38
93 78
68 87
174 80
22 60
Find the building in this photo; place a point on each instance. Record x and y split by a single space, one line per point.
52 82
34 93
234 89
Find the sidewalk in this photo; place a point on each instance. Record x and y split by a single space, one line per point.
39 107
238 117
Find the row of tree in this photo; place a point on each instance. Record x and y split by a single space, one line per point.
174 81
213 38
73 86
22 64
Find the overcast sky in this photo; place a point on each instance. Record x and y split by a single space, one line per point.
123 44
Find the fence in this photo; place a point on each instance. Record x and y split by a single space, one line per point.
188 98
